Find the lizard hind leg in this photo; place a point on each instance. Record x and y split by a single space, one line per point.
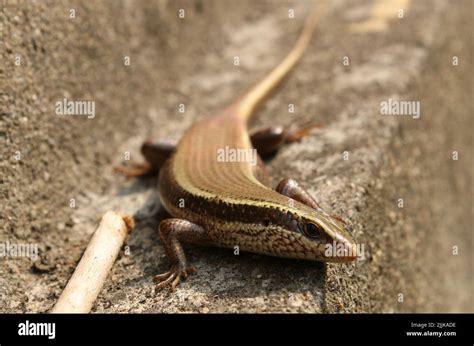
269 140
155 154
172 232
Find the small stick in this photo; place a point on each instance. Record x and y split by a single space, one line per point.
91 272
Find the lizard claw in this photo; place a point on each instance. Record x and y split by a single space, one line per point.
296 132
172 277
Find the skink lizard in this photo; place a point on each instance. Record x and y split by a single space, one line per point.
228 204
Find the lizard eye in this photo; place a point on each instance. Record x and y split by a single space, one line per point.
312 231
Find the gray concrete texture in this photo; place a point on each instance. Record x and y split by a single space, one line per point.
409 265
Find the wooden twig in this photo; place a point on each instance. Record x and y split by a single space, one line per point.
91 272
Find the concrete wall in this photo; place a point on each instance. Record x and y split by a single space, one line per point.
190 61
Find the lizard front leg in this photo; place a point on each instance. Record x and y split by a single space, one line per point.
172 232
290 188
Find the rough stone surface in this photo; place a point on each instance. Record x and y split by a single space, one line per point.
408 265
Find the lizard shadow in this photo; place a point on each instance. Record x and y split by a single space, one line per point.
137 185
251 275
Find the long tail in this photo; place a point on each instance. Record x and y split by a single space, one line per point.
259 92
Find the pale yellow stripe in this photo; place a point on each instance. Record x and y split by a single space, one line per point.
380 15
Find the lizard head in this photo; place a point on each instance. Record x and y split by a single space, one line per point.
313 234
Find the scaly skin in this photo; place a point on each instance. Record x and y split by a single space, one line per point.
228 201
225 204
